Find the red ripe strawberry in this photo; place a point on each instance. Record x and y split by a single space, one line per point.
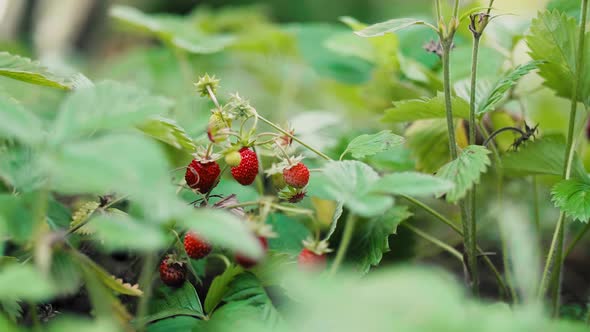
310 260
247 262
202 176
195 246
246 171
172 272
297 175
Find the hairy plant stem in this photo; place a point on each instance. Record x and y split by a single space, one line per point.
550 280
536 211
344 242
435 241
145 283
468 240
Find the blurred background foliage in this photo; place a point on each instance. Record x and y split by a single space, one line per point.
298 63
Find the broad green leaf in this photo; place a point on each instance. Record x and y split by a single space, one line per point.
176 30
412 184
108 105
169 132
425 108
223 229
178 323
465 171
349 182
291 231
19 123
573 198
124 164
26 70
370 239
246 289
219 287
553 37
117 231
108 280
543 156
170 302
504 84
12 309
16 213
390 26
428 143
23 281
19 167
367 145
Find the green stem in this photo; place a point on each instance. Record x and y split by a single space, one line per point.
344 242
268 122
456 9
448 98
435 241
145 282
554 261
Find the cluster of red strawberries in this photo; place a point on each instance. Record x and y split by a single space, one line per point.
203 173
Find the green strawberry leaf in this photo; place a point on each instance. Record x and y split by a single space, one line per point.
465 171
219 287
428 144
24 282
27 70
349 182
412 184
19 123
118 231
573 198
170 302
108 280
542 156
110 163
247 290
221 228
169 132
508 81
107 105
425 108
553 38
368 145
390 26
291 232
370 239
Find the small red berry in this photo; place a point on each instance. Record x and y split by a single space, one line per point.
195 246
247 262
202 176
297 175
172 272
309 260
246 171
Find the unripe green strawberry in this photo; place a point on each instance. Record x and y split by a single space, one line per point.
216 127
246 171
233 158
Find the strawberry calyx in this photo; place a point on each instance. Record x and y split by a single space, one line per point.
319 248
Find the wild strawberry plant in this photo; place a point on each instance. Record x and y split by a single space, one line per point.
174 204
